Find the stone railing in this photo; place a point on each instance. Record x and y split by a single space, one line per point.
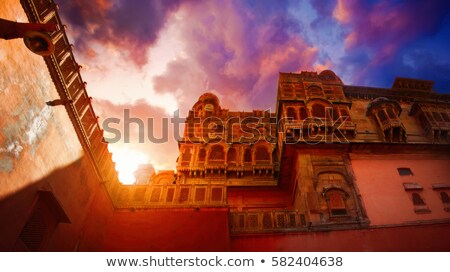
162 196
390 123
267 221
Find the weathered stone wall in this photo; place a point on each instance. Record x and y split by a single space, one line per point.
39 149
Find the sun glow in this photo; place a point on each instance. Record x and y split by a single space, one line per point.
127 162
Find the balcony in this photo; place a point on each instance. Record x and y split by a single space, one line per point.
164 196
267 221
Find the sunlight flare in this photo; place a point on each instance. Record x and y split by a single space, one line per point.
127 161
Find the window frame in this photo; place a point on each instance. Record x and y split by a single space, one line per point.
343 196
400 169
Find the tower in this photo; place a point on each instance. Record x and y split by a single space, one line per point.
144 173
225 147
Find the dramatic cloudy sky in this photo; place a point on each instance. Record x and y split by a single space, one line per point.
156 56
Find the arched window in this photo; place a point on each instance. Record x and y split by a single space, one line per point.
201 155
248 155
387 115
186 156
318 110
261 154
417 199
382 115
231 155
303 113
291 113
336 203
314 91
217 153
391 113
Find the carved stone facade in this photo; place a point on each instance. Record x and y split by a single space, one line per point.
321 125
300 157
230 148
314 108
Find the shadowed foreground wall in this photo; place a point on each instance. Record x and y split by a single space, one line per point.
40 154
167 230
75 196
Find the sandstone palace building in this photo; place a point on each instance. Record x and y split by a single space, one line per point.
334 168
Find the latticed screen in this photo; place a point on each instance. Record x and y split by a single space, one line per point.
281 222
39 227
253 221
34 231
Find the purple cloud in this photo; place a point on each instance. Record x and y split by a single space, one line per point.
238 50
130 26
377 32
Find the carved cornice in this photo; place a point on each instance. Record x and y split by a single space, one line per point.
65 73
